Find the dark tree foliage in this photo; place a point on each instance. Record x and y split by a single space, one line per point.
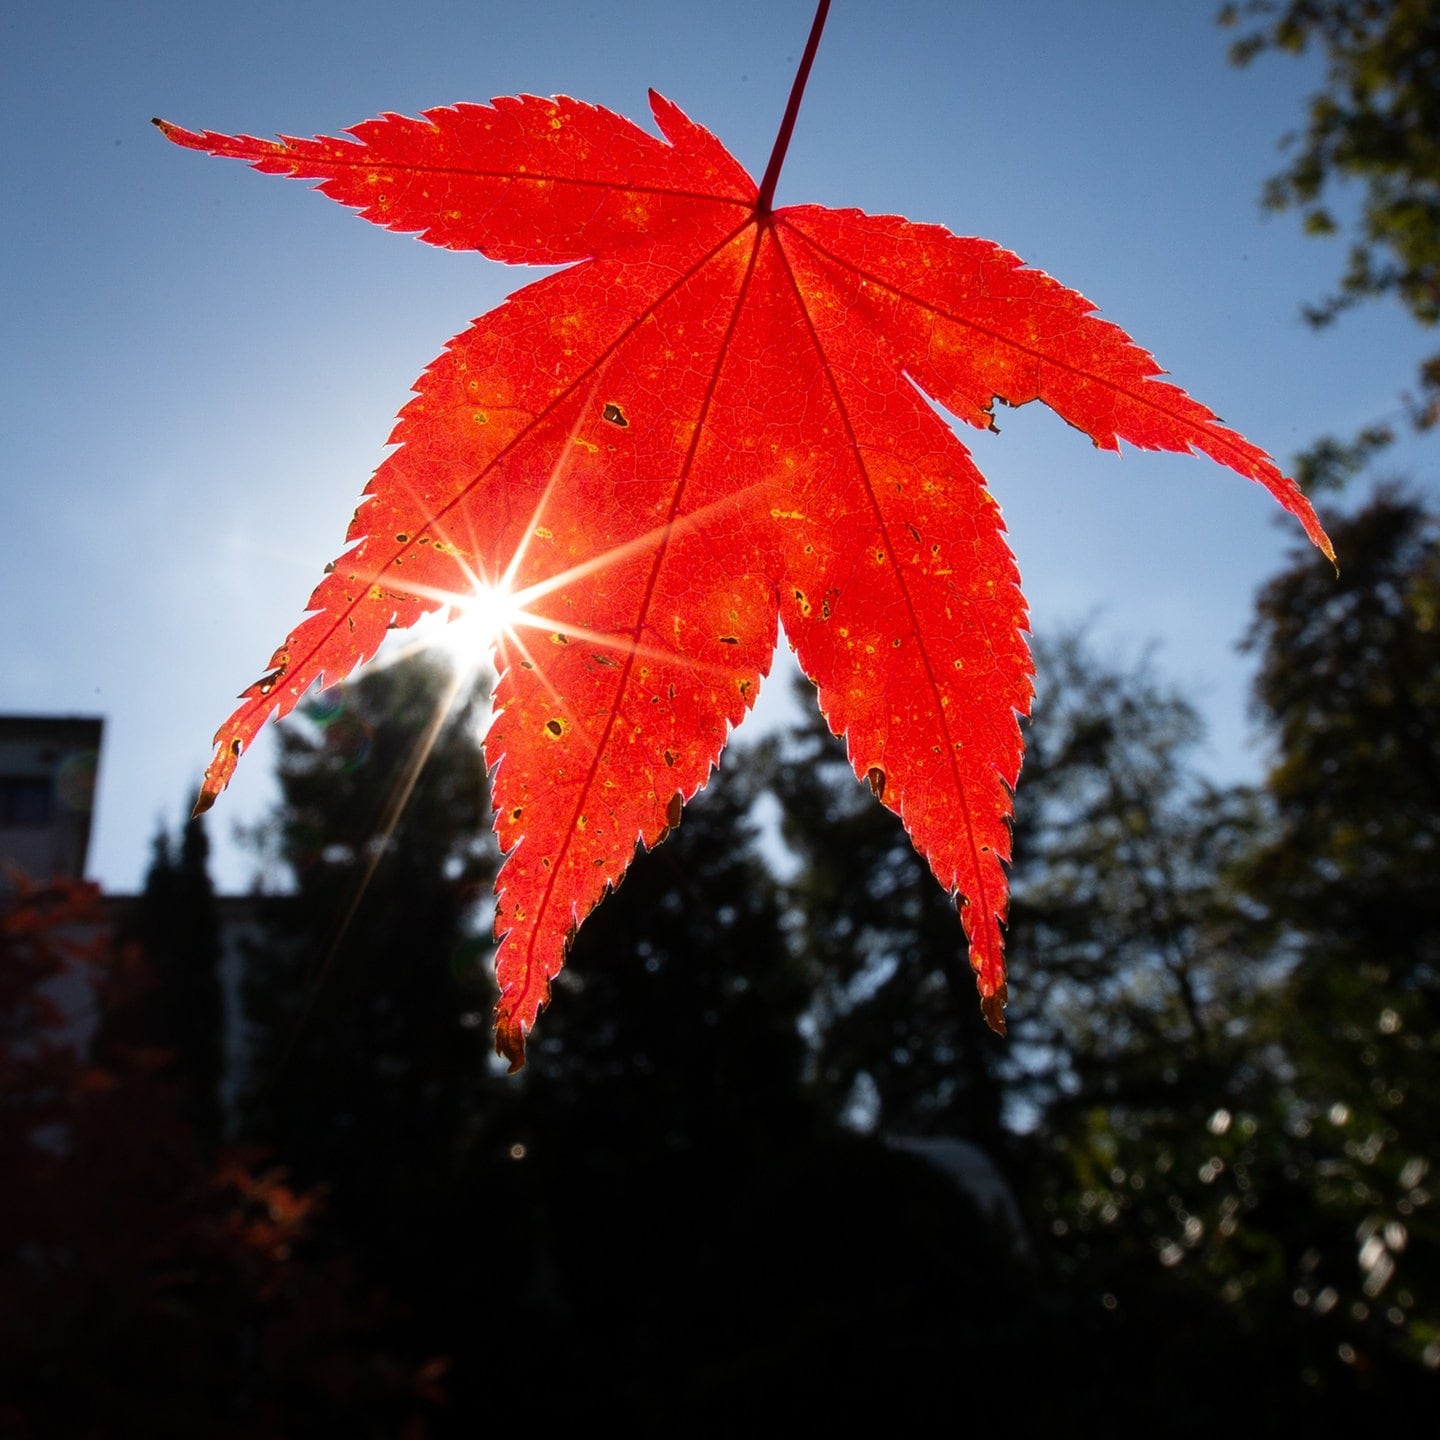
147 1287
686 1004
900 1042
1133 956
367 1005
1137 963
182 1012
1235 1134
1376 122
1349 687
661 1104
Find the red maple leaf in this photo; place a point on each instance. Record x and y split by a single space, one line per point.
714 420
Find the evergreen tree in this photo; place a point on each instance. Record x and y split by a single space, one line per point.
677 1016
661 1104
182 1011
368 1004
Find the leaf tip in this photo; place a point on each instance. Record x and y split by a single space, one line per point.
1320 539
178 134
510 1040
992 1007
203 802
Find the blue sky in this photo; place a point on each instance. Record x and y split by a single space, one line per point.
201 364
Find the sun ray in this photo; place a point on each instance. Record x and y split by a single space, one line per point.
492 611
391 811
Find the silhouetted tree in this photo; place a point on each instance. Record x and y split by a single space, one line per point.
1134 957
1373 124
681 998
661 1104
176 923
368 1004
900 1042
1349 688
1149 1097
1238 1027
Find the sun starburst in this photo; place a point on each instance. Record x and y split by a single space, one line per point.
468 627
